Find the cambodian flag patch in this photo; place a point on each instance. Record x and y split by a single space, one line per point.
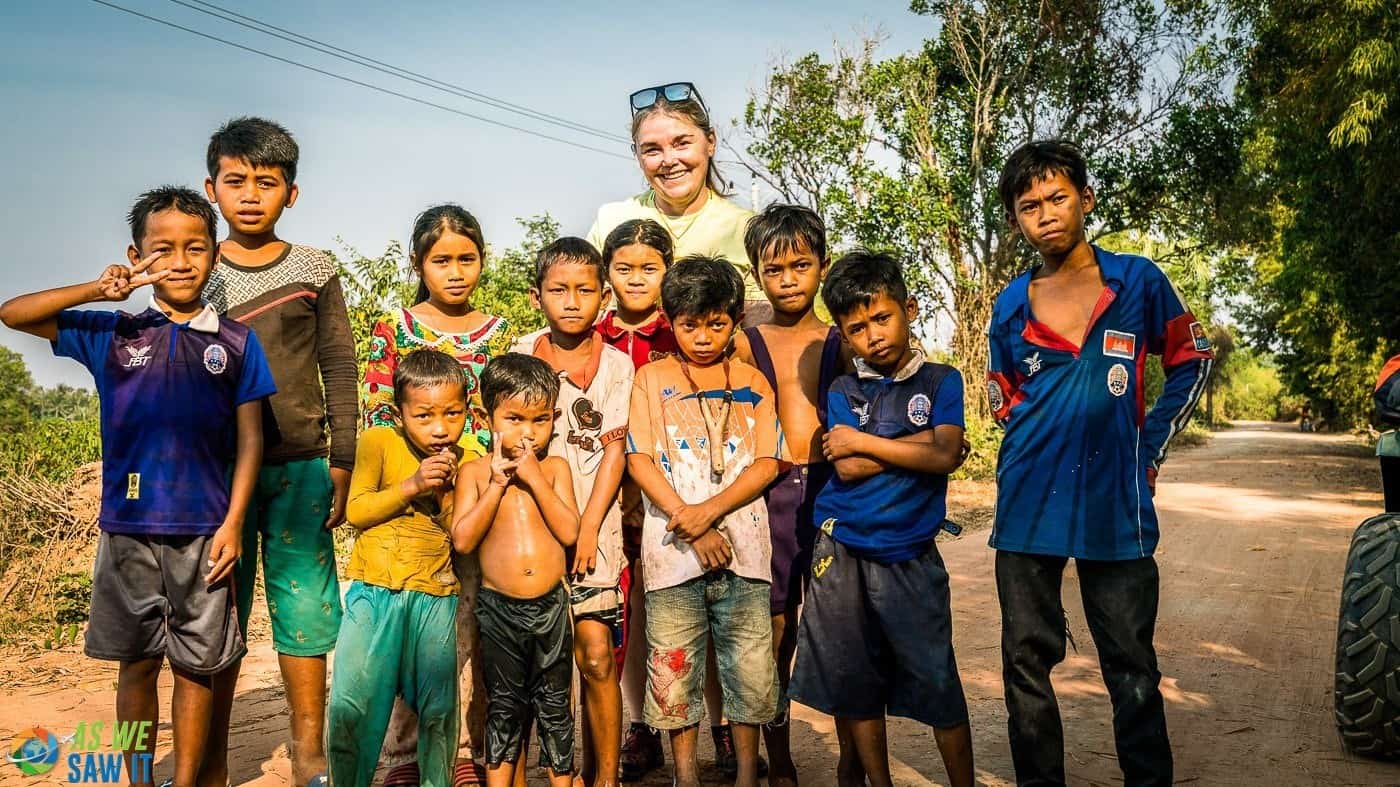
1199 338
1117 344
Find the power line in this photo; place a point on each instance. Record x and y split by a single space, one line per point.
353 81
332 50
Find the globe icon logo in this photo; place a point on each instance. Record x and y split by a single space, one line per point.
34 751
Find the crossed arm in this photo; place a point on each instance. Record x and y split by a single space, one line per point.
857 455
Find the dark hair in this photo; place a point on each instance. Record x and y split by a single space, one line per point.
643 231
783 228
693 112
1036 160
429 228
427 369
858 278
568 250
699 285
187 201
517 374
260 142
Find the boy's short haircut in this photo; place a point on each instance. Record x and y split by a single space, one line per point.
643 231
858 278
781 229
262 143
698 285
1036 160
186 201
569 250
427 369
518 375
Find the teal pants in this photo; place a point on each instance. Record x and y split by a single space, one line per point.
393 643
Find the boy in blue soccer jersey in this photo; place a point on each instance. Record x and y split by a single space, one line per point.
876 633
180 392
1078 465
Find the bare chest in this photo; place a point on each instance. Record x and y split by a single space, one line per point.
1065 303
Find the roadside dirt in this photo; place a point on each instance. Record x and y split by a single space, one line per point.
1255 527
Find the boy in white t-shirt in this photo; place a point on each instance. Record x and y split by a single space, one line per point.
595 384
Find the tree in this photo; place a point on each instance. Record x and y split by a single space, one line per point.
18 394
906 152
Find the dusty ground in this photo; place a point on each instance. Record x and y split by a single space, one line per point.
1256 527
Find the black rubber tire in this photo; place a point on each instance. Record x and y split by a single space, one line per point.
1367 692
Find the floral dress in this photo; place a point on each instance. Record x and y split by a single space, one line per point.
392 339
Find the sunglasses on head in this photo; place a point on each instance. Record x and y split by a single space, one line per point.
675 93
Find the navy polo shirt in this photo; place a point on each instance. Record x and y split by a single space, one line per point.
893 515
168 392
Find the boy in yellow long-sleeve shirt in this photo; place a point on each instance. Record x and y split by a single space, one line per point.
399 634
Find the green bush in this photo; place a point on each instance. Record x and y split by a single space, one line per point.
50 448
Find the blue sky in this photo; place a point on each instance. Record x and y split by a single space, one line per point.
100 105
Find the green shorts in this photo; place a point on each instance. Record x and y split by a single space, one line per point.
287 516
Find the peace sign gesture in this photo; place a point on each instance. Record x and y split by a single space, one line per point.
118 281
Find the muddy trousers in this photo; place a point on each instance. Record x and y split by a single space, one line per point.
1120 605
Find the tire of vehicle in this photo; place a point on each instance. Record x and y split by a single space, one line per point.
1367 692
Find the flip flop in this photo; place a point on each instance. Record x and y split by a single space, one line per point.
405 775
468 773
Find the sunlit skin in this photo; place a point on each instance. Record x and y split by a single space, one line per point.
432 418
704 338
451 270
571 295
635 275
251 200
183 256
674 155
878 332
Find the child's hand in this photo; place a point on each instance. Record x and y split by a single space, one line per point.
842 441
434 473
527 466
224 550
586 551
690 521
118 281
502 468
713 550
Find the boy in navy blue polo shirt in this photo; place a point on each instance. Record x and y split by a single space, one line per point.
1068 343
180 391
876 631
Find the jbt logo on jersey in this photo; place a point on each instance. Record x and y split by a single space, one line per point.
139 356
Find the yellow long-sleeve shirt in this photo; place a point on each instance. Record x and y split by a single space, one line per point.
403 544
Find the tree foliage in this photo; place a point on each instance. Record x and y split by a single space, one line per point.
904 153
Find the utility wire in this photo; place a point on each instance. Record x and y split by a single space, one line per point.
332 50
353 81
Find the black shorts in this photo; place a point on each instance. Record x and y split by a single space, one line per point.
527 663
876 639
149 599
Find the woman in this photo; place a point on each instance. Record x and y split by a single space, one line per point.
675 147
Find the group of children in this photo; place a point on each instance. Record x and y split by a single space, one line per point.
502 501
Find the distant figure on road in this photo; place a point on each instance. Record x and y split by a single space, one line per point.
1078 464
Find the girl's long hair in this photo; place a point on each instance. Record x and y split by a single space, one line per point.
429 228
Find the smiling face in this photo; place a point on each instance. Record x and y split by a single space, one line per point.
1050 214
186 250
635 274
704 338
674 154
878 331
250 198
450 270
791 278
521 423
433 417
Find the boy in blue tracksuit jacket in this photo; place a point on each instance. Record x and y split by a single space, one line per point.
1078 465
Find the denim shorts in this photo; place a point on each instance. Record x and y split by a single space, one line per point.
680 622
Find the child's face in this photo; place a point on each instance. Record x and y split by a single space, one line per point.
571 295
791 279
635 274
186 250
520 424
878 332
250 198
433 417
704 338
1050 214
451 269
675 156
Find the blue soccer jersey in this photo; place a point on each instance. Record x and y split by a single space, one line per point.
168 392
1072 473
893 515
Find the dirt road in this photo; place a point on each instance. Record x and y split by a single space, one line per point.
1255 531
